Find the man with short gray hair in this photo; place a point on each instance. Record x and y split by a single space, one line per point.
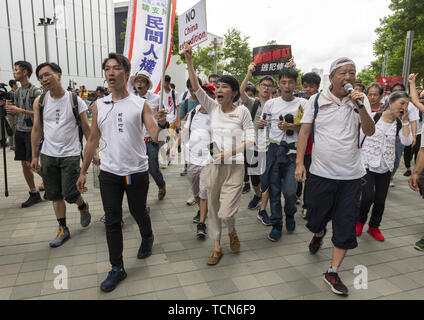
335 118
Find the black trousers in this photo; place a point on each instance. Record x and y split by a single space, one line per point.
249 162
308 161
112 188
410 152
374 192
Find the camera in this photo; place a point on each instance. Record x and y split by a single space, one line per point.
4 95
289 119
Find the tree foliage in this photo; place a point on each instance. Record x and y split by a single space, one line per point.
407 15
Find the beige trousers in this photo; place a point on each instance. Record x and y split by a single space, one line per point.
225 184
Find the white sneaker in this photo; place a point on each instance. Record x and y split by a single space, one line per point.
392 184
303 214
191 201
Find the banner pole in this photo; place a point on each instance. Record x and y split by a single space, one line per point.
165 52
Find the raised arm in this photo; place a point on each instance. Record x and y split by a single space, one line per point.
243 95
415 99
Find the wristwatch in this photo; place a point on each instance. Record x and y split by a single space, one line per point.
166 126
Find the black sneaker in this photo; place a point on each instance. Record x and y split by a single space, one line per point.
196 218
115 276
34 197
201 231
246 188
336 284
145 249
407 173
316 243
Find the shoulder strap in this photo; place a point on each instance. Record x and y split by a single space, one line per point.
74 104
185 95
193 113
316 109
255 108
398 126
173 99
41 111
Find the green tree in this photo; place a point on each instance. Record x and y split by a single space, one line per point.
407 15
367 76
237 54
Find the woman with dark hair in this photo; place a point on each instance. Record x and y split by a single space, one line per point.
378 154
224 175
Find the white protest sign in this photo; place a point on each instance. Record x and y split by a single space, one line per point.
192 26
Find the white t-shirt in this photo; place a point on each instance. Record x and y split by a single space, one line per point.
227 128
168 102
197 148
122 127
273 109
335 153
61 133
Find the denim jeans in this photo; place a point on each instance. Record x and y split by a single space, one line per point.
282 180
398 155
153 154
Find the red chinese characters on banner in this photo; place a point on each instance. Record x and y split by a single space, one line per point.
271 59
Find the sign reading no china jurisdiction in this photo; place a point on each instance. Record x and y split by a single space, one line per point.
271 59
192 27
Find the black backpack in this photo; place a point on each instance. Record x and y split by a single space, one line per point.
255 108
74 103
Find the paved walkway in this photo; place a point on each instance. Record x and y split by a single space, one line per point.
177 269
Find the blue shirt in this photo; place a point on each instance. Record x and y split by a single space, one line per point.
191 105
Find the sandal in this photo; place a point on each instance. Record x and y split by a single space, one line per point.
214 258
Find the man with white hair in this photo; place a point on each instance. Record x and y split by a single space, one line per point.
334 117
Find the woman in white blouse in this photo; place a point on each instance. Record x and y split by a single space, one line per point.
225 173
378 154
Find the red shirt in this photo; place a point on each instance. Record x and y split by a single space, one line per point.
308 150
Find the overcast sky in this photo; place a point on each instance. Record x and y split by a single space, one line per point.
319 31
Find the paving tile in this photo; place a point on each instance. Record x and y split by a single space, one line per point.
5 293
246 282
26 291
29 277
140 287
198 291
165 282
177 269
190 278
281 291
404 283
257 294
172 294
384 287
223 286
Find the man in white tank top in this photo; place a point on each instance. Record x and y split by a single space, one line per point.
61 148
120 119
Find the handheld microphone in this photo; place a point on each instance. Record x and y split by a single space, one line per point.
349 88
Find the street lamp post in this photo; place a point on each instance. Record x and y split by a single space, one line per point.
45 22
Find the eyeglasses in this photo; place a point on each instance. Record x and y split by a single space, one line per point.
45 75
268 86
